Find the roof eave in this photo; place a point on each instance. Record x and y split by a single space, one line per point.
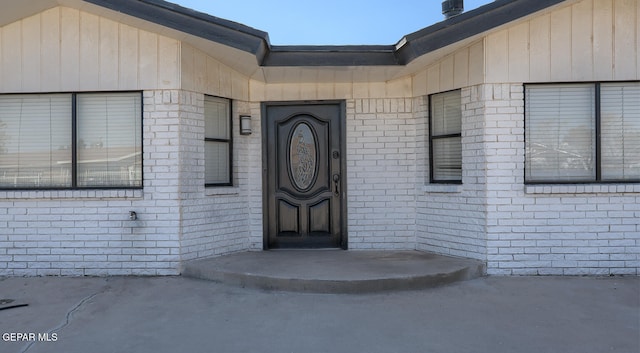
350 55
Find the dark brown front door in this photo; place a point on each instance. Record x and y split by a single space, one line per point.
303 171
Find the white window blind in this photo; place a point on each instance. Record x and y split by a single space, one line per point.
217 162
560 133
35 141
109 140
447 159
620 131
446 141
217 150
446 113
216 112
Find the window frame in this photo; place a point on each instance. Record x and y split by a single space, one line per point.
74 143
229 141
433 137
598 138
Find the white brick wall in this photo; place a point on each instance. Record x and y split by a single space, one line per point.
88 232
492 216
521 229
252 171
451 218
550 229
214 219
381 165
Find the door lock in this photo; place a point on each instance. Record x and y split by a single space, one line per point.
336 182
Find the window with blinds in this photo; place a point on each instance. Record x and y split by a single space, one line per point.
620 131
217 141
39 149
109 140
35 141
445 137
582 132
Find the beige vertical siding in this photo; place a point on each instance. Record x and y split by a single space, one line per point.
149 62
31 53
315 89
582 18
69 53
637 40
588 40
88 55
560 54
518 52
462 68
433 79
202 73
498 55
461 77
603 40
128 74
447 70
12 65
64 49
398 88
168 63
626 31
539 47
1 61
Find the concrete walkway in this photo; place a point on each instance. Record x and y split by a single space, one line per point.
177 314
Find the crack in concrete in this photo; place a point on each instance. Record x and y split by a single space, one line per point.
68 316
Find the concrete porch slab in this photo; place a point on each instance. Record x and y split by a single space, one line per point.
334 271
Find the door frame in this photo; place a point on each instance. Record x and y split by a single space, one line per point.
344 243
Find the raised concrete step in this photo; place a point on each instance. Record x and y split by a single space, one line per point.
334 271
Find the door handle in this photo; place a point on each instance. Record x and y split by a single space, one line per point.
336 184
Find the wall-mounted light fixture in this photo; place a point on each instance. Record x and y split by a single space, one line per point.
133 216
245 124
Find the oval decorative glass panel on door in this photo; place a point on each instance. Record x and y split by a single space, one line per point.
302 156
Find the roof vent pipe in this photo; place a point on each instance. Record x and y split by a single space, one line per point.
452 8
